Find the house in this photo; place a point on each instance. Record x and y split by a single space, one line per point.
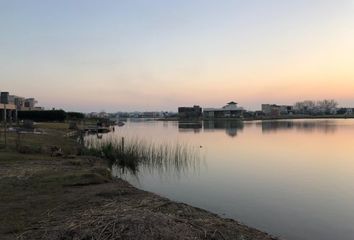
24 104
13 104
350 111
8 111
271 109
345 111
190 112
231 110
29 104
276 110
151 115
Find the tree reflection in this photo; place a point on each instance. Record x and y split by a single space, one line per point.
325 126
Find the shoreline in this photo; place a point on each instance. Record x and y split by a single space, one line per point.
89 203
297 117
75 197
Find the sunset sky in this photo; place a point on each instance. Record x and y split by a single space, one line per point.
88 55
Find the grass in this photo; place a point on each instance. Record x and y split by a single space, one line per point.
24 200
61 126
32 183
131 154
53 135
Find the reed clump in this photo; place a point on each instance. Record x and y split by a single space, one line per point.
133 153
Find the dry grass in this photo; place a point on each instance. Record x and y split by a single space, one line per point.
53 134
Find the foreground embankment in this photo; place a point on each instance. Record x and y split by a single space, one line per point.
74 197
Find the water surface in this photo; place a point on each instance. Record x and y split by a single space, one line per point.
293 179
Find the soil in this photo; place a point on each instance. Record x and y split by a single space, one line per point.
42 197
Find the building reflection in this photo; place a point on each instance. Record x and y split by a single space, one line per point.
231 127
195 127
326 126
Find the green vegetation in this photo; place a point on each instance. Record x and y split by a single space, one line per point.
75 115
32 182
43 116
24 199
50 115
132 153
44 197
44 136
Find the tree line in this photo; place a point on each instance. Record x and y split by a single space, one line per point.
316 107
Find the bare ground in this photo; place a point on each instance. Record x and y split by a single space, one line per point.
55 198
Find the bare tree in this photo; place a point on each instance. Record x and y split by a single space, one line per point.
305 107
320 107
327 106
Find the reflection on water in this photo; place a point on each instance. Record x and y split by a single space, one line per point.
290 178
195 127
231 127
325 126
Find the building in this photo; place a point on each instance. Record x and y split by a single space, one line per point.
190 112
24 104
231 110
151 115
8 110
19 102
276 110
286 110
29 104
13 104
345 111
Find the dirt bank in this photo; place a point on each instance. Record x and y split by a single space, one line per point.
56 198
74 197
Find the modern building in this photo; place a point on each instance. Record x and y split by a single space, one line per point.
13 104
8 109
276 110
29 104
231 110
190 112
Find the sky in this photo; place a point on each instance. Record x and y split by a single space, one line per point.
94 55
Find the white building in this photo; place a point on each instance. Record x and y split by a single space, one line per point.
231 110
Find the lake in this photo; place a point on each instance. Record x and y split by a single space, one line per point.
293 179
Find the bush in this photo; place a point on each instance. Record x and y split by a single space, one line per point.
75 115
43 116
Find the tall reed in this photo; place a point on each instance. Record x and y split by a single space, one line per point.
134 153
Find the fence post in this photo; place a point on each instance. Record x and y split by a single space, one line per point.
18 142
5 124
122 144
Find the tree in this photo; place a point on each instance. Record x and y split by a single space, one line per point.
320 107
305 107
327 106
